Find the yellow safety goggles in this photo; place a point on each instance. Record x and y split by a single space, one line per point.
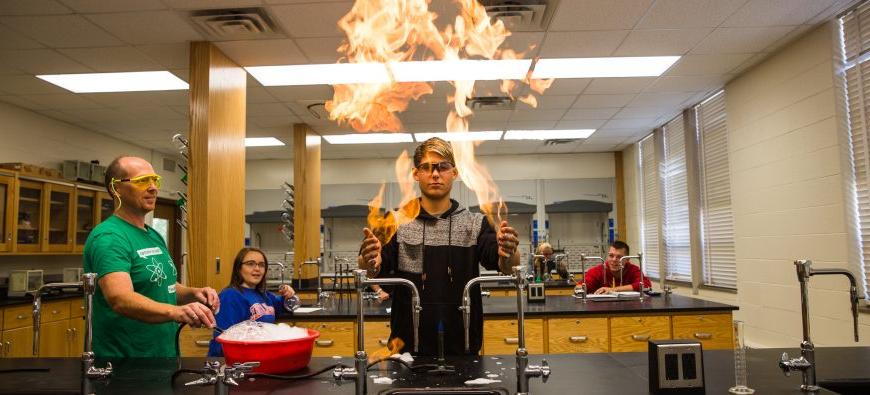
142 182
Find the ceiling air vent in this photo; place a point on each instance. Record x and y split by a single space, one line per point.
522 15
560 141
235 24
490 103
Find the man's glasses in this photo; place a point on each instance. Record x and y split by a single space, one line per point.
142 182
253 264
429 167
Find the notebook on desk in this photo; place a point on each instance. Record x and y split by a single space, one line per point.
624 295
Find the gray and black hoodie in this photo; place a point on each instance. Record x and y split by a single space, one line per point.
440 255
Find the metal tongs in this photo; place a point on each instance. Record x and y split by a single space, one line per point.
222 376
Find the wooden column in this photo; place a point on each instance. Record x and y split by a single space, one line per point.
620 197
306 216
217 165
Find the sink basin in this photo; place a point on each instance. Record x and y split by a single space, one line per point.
445 391
847 386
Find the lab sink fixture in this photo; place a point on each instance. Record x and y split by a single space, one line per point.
847 386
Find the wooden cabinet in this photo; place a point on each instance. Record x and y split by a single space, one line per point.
18 317
377 334
77 336
500 336
7 207
712 330
630 334
54 338
29 217
18 343
86 217
194 342
106 206
58 218
577 335
54 311
336 337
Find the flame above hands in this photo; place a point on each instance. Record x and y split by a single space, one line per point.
384 225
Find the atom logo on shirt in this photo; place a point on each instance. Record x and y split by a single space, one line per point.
156 269
260 309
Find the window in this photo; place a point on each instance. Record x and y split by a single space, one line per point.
649 206
855 32
677 253
717 221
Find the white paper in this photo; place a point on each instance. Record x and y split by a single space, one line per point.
303 310
481 381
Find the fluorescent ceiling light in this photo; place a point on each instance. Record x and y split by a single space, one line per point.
460 136
461 70
116 82
642 66
262 142
369 138
320 74
548 134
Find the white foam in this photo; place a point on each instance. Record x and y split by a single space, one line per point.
383 380
481 381
263 331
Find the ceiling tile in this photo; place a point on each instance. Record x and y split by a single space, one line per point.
597 147
688 13
311 20
23 102
551 102
618 85
581 44
33 7
603 101
306 92
776 12
64 101
61 31
112 59
527 43
41 61
740 40
258 95
707 64
320 49
631 123
567 86
686 84
263 52
530 125
208 4
170 56
62 116
140 99
276 121
626 133
27 85
147 27
590 113
661 100
14 40
639 112
423 116
660 42
268 110
534 115
598 14
87 6
580 124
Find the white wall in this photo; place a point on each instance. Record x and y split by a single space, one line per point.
31 138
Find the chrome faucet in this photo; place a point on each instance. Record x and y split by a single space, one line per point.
583 259
639 258
524 370
281 267
88 285
222 376
358 372
806 364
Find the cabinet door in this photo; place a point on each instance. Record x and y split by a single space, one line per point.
714 331
578 335
107 206
54 339
336 337
377 334
500 336
6 207
86 207
28 219
630 334
193 342
18 343
77 337
59 217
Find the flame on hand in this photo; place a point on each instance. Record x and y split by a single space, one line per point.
393 347
384 225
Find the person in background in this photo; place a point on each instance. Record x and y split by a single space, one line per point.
138 300
543 266
439 251
612 276
246 297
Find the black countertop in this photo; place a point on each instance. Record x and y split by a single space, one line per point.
614 373
554 305
16 301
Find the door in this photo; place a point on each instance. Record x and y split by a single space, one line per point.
86 208
54 339
77 337
59 217
107 206
6 208
164 222
18 343
28 220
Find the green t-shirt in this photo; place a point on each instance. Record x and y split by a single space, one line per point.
118 246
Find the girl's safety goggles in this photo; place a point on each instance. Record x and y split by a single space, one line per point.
142 182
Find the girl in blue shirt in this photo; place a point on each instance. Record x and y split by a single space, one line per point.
246 297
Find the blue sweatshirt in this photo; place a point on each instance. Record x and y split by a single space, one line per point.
238 305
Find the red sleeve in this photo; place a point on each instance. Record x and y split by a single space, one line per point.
594 278
633 275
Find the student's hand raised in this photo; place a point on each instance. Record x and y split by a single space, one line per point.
286 291
370 255
508 239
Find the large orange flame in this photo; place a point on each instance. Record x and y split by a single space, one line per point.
393 347
385 225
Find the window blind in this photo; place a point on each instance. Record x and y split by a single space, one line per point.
677 254
855 27
650 206
717 220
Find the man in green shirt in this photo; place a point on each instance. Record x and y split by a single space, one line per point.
138 301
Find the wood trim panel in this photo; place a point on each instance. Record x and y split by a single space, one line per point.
306 216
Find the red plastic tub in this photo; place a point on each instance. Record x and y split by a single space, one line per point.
279 356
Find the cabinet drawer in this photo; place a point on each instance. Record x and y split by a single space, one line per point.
76 308
18 317
193 342
578 335
54 311
630 334
336 338
559 291
712 330
377 334
500 336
